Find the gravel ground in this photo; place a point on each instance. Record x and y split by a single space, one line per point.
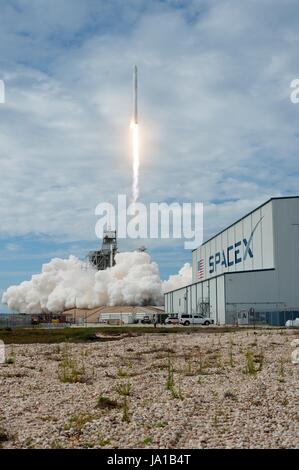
229 390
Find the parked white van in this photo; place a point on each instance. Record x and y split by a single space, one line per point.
194 319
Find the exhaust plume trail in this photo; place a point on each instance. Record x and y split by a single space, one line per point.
136 160
135 139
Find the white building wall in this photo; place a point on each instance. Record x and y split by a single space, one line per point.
286 241
194 298
226 252
213 298
256 289
179 301
221 299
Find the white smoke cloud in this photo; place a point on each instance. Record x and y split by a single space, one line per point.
183 278
67 283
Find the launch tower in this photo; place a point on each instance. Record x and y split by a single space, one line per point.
105 258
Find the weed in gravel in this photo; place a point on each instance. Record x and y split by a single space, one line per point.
78 421
170 382
175 393
249 365
122 373
161 424
56 444
147 441
170 379
124 390
29 443
11 358
103 441
69 371
88 445
106 403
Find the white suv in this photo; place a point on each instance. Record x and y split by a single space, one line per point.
195 319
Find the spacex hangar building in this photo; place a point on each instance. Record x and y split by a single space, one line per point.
248 272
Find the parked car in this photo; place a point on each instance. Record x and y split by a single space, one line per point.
292 323
195 319
172 320
146 320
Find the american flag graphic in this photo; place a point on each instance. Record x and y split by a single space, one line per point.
201 269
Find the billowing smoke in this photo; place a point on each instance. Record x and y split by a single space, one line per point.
63 284
183 278
68 283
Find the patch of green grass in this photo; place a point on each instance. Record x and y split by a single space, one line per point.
147 441
87 334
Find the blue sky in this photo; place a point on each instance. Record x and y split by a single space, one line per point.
216 119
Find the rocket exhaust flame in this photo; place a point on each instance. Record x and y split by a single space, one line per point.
136 160
135 140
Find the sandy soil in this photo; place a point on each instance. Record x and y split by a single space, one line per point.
229 390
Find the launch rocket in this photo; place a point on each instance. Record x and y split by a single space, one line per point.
135 95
